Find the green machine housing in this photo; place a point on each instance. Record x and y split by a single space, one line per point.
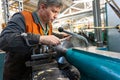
95 64
2 55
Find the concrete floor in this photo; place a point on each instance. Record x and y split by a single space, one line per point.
48 71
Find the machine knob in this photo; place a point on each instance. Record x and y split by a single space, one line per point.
60 29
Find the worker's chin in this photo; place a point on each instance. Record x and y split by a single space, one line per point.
51 20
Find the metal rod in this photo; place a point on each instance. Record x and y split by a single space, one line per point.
115 5
107 27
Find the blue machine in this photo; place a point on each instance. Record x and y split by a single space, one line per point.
2 54
95 64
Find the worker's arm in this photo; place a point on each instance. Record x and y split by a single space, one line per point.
11 39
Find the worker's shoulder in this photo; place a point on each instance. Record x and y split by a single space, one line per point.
17 15
26 13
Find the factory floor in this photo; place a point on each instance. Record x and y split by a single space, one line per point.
50 71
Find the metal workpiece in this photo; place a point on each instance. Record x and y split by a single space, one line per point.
60 29
93 63
60 49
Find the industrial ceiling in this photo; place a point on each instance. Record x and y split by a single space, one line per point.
72 9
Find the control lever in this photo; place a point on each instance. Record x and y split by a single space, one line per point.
60 29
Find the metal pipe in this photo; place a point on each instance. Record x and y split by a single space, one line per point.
107 27
97 22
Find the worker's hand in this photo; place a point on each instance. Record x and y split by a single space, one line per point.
49 40
66 38
65 35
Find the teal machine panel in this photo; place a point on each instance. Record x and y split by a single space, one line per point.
2 55
113 38
95 64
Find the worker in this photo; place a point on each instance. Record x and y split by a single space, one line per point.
36 27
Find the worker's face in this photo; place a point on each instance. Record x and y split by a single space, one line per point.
51 13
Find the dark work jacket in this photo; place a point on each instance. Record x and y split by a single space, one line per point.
17 51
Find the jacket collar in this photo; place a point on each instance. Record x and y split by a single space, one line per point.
34 14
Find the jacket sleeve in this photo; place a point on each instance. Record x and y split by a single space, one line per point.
11 39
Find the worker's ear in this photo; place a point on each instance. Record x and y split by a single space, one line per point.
43 6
